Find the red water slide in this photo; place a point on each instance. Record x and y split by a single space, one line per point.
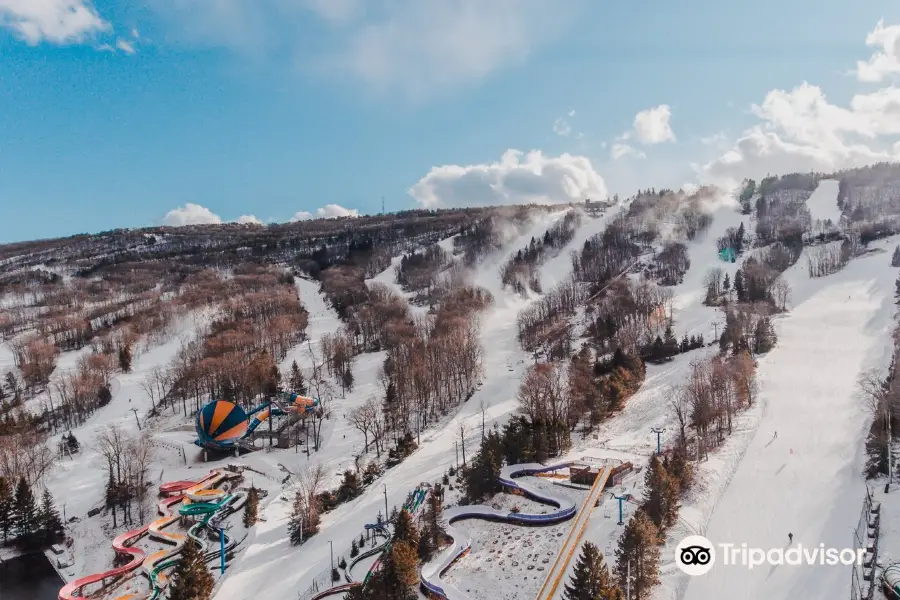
120 544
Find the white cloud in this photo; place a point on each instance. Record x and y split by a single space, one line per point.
886 60
516 179
248 220
651 126
561 127
801 131
329 211
125 46
622 150
53 21
408 45
571 113
190 214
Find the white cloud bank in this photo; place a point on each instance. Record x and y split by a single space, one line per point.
801 130
518 178
651 126
248 220
884 62
53 21
329 211
190 214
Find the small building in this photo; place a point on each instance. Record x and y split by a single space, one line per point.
586 475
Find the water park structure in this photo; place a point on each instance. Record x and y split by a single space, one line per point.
200 499
431 573
223 425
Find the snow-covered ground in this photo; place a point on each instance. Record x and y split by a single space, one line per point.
822 203
808 480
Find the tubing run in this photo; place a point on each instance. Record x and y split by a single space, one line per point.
152 569
430 574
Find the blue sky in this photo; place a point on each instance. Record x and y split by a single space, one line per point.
180 111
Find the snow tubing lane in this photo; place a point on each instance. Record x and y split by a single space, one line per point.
430 574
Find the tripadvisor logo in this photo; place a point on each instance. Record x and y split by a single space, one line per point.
695 555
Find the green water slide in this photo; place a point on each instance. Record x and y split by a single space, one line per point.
208 510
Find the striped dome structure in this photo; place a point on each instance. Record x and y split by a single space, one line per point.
220 423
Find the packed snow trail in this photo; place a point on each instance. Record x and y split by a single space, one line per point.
432 571
809 479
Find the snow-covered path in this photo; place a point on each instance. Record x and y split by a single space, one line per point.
808 480
322 320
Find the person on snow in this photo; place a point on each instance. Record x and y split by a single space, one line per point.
791 537
776 434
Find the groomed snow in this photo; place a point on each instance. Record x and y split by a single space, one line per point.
808 480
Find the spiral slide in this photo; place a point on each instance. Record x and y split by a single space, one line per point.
430 574
122 543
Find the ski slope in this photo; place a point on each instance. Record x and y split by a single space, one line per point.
808 480
273 568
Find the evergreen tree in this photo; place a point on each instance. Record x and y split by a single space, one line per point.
347 379
25 511
72 443
350 487
50 523
125 359
591 579
764 335
670 342
191 580
895 258
726 284
639 546
251 508
7 520
660 495
362 541
354 548
405 529
481 476
296 380
405 562
739 285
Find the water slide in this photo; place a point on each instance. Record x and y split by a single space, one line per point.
412 505
431 573
221 424
122 543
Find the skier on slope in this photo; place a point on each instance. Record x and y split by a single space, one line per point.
791 537
776 434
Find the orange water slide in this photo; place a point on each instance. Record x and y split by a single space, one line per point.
121 543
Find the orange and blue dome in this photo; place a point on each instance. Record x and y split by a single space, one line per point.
221 423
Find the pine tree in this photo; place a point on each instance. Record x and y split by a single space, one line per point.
660 495
251 508
72 443
125 359
895 258
296 381
354 548
405 529
726 284
350 487
25 511
50 523
739 285
764 335
670 342
7 520
191 580
639 546
591 579
362 541
405 560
